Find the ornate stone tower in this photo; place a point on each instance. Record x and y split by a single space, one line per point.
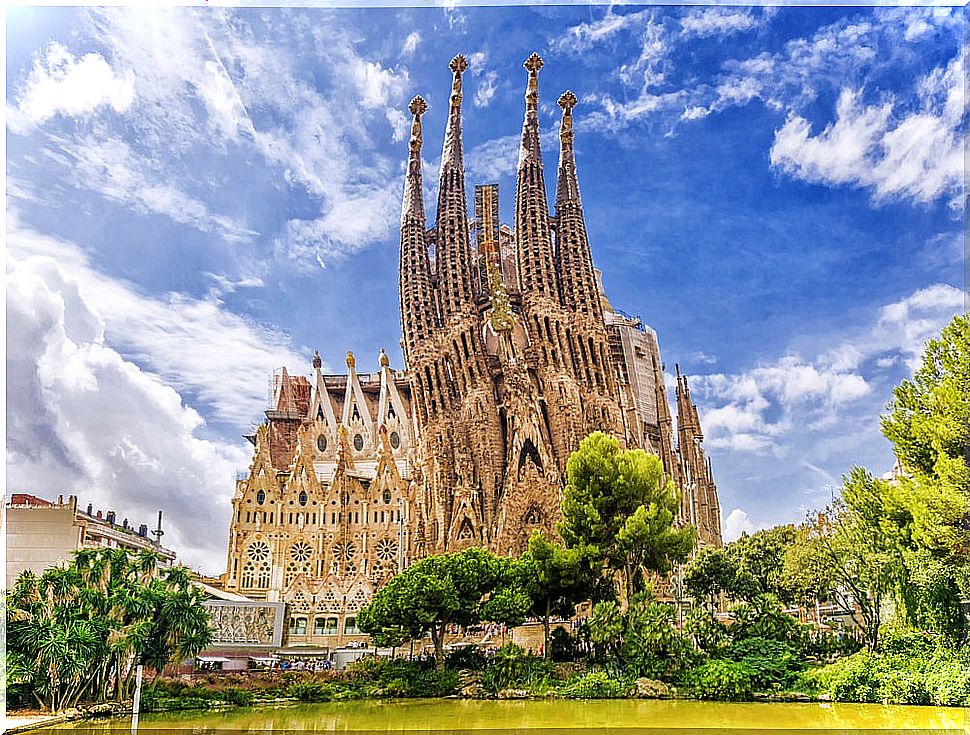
504 387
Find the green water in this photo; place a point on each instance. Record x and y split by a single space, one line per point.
568 717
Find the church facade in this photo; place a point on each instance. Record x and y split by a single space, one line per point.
512 356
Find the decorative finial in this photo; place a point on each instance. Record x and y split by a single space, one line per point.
567 101
384 359
317 362
459 64
418 106
351 362
533 63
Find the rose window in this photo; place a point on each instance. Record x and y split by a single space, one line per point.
258 551
344 552
301 551
386 550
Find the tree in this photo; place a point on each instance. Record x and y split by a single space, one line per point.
77 633
461 588
709 573
552 579
618 512
760 560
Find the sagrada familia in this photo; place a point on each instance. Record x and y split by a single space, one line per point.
513 354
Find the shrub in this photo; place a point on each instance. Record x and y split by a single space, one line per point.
513 667
722 679
595 685
563 645
772 663
709 633
652 646
948 681
311 691
763 617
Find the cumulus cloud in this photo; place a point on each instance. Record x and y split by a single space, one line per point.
718 21
61 84
486 89
735 524
755 410
194 78
85 421
918 155
195 345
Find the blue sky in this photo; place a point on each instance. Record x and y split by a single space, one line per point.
198 196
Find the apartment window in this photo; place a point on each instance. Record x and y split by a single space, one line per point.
298 626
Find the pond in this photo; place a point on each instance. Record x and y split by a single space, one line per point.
564 717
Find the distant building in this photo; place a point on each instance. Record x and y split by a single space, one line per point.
43 533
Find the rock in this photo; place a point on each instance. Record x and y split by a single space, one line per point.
824 697
645 688
513 694
72 713
104 709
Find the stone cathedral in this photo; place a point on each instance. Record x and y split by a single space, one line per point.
513 354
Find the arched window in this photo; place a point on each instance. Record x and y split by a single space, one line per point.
260 497
322 443
303 497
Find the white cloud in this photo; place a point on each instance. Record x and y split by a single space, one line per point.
83 420
195 345
61 84
411 43
757 410
584 36
486 89
110 167
718 21
736 523
917 156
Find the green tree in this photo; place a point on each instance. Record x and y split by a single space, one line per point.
708 574
76 634
461 588
618 512
760 560
551 577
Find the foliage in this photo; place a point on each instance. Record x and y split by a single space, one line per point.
77 633
708 633
709 573
773 663
760 564
595 685
461 588
551 578
512 667
564 645
764 618
723 679
910 667
652 645
618 512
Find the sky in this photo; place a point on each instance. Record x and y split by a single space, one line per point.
198 196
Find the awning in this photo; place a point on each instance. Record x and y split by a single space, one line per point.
264 659
212 659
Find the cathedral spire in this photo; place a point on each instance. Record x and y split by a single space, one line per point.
413 190
532 233
451 231
417 297
574 260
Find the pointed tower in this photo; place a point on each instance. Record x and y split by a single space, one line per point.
452 250
417 296
698 484
574 261
533 240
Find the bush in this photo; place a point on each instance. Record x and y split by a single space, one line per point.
652 646
948 682
311 691
722 679
514 668
709 633
772 663
563 645
763 617
595 685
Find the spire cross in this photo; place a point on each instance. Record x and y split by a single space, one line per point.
533 64
567 101
458 66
